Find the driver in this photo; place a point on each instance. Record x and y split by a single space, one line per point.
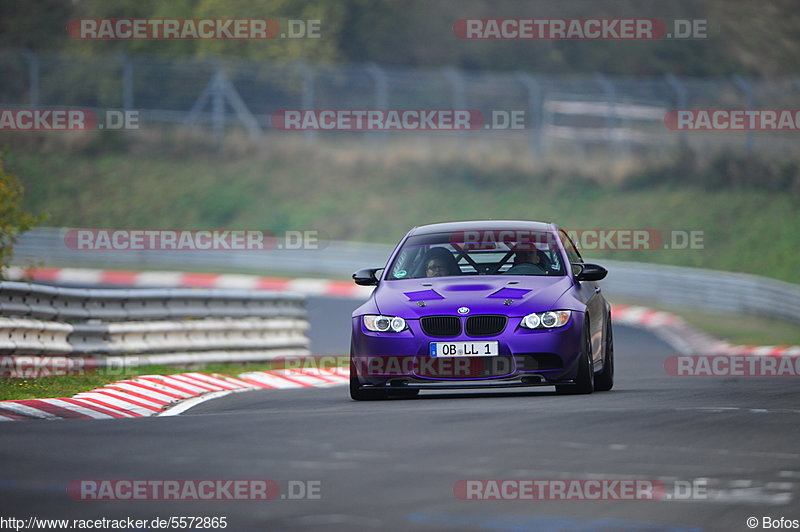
528 260
440 263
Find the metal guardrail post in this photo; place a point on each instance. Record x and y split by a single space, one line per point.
127 82
611 98
535 109
747 89
308 96
218 106
459 97
681 101
33 76
381 100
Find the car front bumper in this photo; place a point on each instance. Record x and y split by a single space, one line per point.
525 358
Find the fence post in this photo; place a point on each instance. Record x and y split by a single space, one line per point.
193 116
127 82
681 101
534 89
218 91
308 96
33 76
611 112
218 107
239 107
381 92
747 89
459 97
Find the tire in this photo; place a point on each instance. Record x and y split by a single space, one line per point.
357 394
584 382
604 380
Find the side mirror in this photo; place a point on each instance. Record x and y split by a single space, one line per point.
366 277
589 272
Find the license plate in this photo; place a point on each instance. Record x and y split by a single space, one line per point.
464 349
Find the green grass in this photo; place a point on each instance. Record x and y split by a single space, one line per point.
346 192
741 329
734 328
69 385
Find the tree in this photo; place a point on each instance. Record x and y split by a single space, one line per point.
14 220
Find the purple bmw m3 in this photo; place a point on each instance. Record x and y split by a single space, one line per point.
480 305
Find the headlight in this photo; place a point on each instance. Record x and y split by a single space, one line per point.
384 323
531 321
546 320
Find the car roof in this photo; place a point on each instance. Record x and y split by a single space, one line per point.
483 225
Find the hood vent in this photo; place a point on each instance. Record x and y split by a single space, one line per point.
423 295
510 293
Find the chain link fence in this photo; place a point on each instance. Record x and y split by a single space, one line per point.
579 114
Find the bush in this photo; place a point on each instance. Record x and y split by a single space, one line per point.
13 219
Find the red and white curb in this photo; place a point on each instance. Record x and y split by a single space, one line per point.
673 329
172 394
688 340
164 395
168 279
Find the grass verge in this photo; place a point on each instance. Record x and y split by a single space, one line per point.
69 385
348 192
734 328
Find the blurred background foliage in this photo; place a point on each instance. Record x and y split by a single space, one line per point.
14 220
758 39
747 204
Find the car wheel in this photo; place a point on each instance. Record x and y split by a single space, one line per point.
357 394
604 380
584 382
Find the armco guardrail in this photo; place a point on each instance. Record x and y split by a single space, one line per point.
46 246
652 283
146 326
703 289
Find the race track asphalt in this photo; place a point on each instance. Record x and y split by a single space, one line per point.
393 465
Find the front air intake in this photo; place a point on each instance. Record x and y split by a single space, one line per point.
442 326
486 325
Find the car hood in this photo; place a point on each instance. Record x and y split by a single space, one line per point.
412 298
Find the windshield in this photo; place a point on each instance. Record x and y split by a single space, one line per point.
489 252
